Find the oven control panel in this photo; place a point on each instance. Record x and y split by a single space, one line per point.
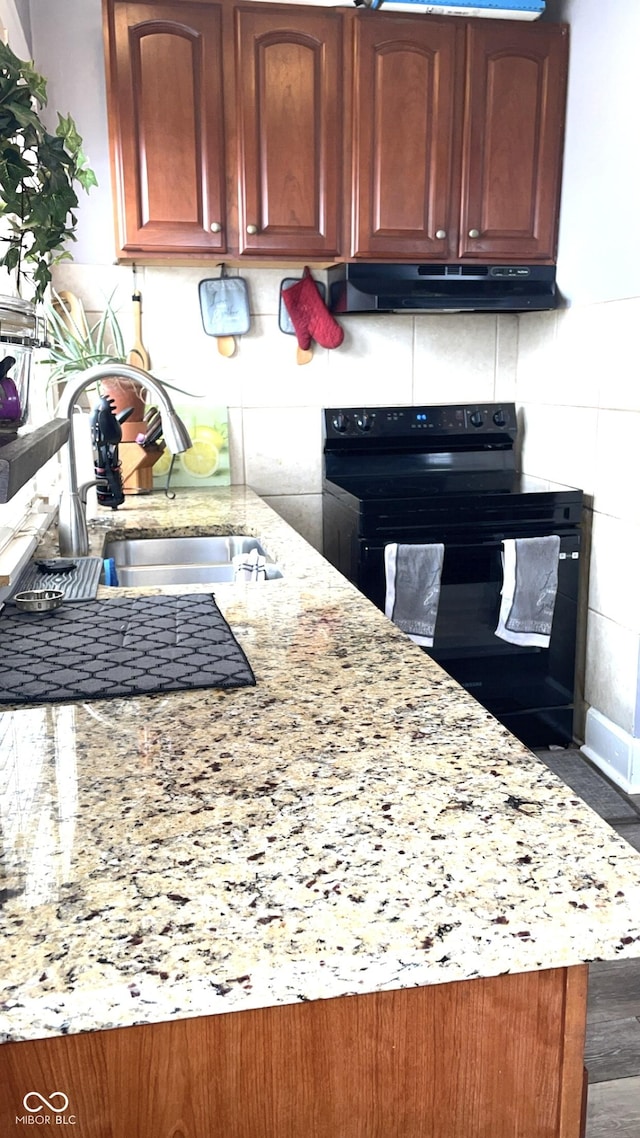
404 422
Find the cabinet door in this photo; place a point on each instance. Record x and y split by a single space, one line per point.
515 97
289 139
404 136
165 96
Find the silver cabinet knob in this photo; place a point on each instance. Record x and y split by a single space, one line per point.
252 230
474 233
441 233
215 227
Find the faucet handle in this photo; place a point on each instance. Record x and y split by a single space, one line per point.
84 489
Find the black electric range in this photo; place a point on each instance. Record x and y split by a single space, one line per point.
447 473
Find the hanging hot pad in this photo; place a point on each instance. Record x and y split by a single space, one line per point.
224 305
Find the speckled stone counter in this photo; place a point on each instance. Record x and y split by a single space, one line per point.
356 822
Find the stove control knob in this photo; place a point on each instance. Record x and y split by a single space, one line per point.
475 418
499 418
340 422
364 422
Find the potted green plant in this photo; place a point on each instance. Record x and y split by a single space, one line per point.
38 174
75 345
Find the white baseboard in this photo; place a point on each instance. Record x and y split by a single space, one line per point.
613 751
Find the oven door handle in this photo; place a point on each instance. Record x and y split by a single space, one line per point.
569 544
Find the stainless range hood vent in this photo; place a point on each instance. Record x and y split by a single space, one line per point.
441 288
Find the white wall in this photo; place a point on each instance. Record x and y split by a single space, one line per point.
68 50
578 376
599 232
15 26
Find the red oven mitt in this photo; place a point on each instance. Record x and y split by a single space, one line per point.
310 316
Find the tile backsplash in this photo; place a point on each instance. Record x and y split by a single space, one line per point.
274 404
578 393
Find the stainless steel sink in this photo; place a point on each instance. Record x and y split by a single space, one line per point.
183 560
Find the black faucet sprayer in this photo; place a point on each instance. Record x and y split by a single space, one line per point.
106 434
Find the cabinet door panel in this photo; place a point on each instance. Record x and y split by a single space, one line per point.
288 133
513 141
166 102
404 128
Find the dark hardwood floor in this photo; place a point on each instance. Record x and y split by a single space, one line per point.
613 1018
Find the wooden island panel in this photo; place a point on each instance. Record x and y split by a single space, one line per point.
485 1058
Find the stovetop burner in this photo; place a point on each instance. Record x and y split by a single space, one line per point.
429 460
437 482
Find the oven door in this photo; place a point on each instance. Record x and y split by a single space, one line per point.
512 681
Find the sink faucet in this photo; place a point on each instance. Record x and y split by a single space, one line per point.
72 524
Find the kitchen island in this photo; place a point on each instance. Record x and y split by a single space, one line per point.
197 885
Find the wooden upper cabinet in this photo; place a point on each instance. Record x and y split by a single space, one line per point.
405 129
290 131
288 82
513 136
165 102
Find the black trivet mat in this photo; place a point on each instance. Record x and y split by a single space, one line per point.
79 584
121 647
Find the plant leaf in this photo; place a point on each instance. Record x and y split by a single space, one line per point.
38 172
87 179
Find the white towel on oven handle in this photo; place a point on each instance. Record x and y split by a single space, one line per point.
413 575
529 589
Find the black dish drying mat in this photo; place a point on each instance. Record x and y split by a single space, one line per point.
121 647
79 584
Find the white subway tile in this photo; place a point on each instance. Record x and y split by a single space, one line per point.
537 360
283 450
620 375
267 372
373 364
264 287
95 284
580 356
617 465
612 670
559 444
236 445
613 574
455 358
506 358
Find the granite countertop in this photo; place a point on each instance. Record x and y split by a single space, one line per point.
355 822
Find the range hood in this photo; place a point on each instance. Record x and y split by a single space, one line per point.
441 288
